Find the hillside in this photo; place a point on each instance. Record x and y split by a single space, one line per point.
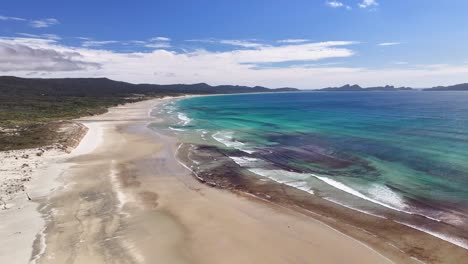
99 87
32 110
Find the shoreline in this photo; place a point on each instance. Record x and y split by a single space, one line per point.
165 213
384 233
257 198
87 144
123 194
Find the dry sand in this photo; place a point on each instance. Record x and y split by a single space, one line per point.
122 197
26 176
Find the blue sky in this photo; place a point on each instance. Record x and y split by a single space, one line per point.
305 44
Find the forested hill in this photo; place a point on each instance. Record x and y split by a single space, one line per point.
103 87
33 110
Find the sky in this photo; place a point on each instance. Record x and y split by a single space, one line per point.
274 43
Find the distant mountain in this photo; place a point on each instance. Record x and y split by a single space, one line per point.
346 87
102 87
457 87
389 88
357 88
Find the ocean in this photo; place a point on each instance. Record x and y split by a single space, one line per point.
398 155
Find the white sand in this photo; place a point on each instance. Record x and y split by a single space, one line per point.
173 218
34 173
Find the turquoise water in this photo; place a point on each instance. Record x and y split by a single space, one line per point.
402 151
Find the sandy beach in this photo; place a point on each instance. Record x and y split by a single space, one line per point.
234 132
26 177
122 197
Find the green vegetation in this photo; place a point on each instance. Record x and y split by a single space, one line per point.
31 109
33 121
18 111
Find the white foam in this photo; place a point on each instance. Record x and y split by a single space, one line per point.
351 191
292 179
353 208
176 153
280 175
453 240
176 129
169 108
392 200
226 138
301 185
203 133
184 118
386 195
289 178
246 161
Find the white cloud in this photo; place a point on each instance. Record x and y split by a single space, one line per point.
160 39
20 57
368 3
241 43
40 23
293 40
261 53
400 62
389 43
207 65
299 52
43 23
41 36
137 42
230 42
51 36
157 45
6 18
336 4
97 43
31 57
209 40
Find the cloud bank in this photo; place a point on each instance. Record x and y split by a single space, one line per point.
298 64
18 57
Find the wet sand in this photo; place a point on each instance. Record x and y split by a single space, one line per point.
130 201
402 237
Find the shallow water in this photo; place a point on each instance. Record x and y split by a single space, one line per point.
400 151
